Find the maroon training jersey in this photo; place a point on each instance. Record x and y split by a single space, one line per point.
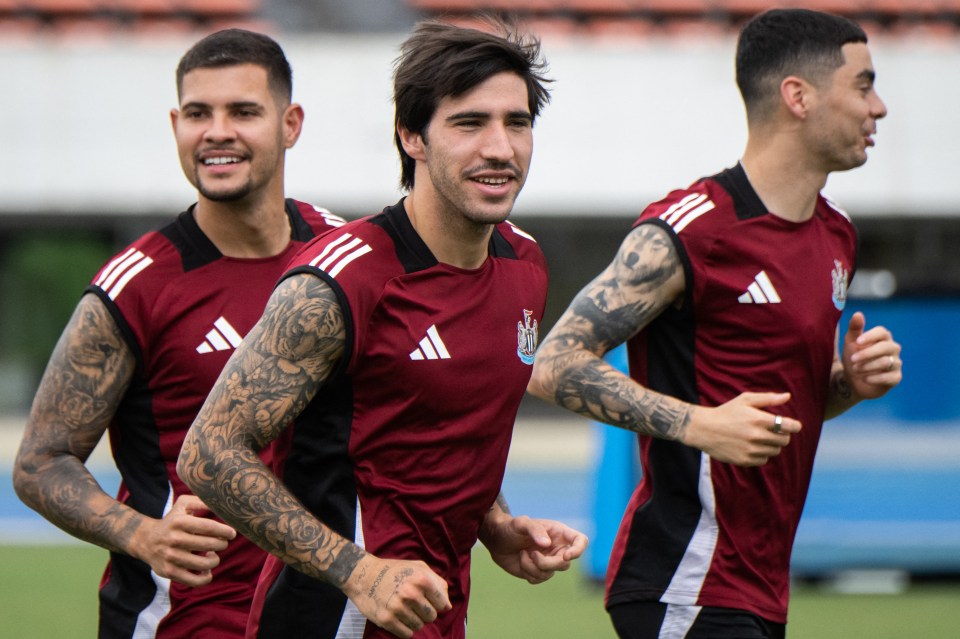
763 298
403 450
183 308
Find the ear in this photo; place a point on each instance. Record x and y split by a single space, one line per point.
796 95
292 124
174 118
413 144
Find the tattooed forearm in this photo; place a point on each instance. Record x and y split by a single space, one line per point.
642 281
598 391
268 381
88 373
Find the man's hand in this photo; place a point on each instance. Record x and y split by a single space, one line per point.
533 549
398 595
746 431
871 359
183 545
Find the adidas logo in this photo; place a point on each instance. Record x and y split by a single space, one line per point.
761 291
223 337
431 347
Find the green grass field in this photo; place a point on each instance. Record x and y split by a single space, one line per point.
49 592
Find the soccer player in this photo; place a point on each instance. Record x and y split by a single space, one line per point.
149 338
728 294
391 360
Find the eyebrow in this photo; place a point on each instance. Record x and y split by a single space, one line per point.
242 104
867 74
482 115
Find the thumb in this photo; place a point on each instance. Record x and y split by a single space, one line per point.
760 400
855 328
191 505
533 529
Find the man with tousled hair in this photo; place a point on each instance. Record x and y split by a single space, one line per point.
149 338
728 294
390 363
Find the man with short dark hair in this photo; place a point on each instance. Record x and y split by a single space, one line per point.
728 294
149 338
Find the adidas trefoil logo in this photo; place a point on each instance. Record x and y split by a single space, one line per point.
431 347
223 337
761 291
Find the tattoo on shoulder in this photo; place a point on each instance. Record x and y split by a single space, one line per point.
645 277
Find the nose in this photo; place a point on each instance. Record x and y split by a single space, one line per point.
220 128
497 145
878 109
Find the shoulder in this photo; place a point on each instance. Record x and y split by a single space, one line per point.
832 211
511 241
149 261
707 207
356 246
316 218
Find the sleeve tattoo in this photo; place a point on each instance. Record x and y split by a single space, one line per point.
644 278
87 375
268 381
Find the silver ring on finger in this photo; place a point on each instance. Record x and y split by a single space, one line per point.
890 362
778 424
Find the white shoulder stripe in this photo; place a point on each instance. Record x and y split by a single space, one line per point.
113 265
336 255
671 214
132 272
523 234
330 218
329 247
121 270
339 266
706 207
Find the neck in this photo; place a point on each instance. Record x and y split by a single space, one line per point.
783 177
452 238
246 228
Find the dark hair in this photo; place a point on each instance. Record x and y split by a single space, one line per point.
783 42
440 60
230 47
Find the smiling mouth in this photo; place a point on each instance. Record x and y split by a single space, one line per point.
500 181
220 161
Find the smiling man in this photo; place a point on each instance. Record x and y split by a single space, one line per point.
149 338
728 294
390 362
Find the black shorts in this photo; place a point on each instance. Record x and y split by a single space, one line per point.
654 620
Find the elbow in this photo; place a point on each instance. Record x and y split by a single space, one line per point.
538 385
185 465
20 482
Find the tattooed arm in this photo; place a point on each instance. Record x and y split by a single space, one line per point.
85 379
644 279
532 549
274 373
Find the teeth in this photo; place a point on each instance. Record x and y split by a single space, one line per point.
230 160
492 181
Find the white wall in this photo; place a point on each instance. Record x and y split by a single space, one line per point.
85 127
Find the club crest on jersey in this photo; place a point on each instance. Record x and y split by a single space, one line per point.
840 277
527 333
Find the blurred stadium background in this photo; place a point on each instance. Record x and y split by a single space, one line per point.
644 101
